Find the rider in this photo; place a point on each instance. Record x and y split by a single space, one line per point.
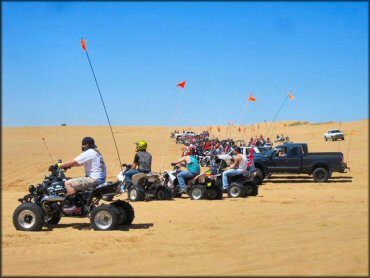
142 161
238 167
192 165
95 170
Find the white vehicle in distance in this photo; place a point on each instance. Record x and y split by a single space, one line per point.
186 133
334 135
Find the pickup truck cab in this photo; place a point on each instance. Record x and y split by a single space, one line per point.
334 135
297 160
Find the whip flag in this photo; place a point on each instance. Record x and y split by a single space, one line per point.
251 98
83 44
291 97
182 84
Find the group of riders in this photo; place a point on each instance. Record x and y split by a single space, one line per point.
96 171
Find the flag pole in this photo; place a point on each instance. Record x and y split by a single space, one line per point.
281 106
173 120
83 43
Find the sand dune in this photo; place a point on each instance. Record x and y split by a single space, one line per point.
294 226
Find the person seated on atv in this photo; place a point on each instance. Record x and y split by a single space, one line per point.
238 167
95 170
193 168
142 162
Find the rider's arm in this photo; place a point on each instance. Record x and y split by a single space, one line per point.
182 159
69 164
136 162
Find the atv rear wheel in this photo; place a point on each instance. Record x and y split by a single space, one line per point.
28 217
197 192
105 217
136 193
127 212
214 193
235 190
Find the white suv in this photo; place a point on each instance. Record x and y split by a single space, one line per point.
334 135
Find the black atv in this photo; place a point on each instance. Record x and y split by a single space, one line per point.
146 186
44 205
242 185
199 187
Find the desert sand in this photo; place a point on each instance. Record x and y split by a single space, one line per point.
293 227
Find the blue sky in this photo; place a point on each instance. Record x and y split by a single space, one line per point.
225 51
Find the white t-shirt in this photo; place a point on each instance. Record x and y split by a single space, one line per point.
94 165
243 165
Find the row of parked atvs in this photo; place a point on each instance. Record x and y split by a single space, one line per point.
44 204
204 186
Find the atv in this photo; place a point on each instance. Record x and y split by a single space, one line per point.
199 187
145 186
242 185
44 205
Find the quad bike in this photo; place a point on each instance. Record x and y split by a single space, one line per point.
44 205
242 185
145 186
199 187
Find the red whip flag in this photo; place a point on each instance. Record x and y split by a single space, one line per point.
83 44
251 98
181 84
290 95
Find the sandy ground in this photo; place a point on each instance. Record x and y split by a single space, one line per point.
294 227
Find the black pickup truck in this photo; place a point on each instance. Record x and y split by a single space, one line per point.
297 160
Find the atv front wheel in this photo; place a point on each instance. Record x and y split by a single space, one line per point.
163 193
28 217
136 193
197 192
235 190
105 217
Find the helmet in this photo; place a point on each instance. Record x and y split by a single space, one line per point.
141 145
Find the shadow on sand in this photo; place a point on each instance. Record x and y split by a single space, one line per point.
87 226
306 179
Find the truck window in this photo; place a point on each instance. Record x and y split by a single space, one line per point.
295 151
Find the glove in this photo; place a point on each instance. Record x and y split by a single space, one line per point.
173 164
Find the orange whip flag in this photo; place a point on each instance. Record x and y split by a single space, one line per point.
181 84
251 98
218 128
290 95
83 44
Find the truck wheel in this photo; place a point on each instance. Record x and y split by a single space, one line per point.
235 190
127 212
28 217
136 193
326 139
197 192
105 218
320 175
